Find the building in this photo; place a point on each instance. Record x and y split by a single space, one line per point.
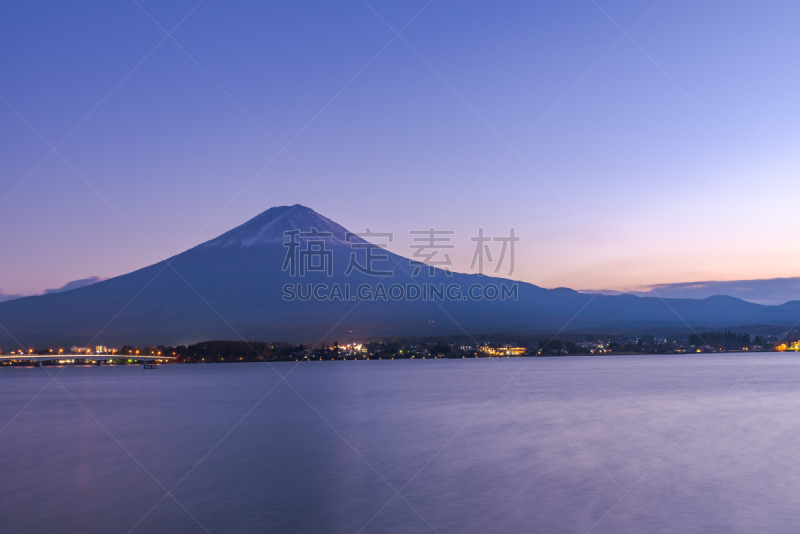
793 345
503 350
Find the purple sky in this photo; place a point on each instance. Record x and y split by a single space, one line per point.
668 156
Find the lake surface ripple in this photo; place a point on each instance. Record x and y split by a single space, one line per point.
618 444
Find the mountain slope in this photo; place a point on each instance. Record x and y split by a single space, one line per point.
233 286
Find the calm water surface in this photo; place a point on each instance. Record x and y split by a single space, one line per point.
705 443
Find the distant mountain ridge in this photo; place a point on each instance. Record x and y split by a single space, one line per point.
233 286
770 291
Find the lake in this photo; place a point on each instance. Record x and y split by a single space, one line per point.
614 444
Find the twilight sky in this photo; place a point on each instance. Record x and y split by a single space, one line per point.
668 156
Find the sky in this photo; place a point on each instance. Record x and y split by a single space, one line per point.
629 144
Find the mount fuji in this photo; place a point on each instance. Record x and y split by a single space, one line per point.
233 287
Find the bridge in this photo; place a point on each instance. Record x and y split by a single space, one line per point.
96 359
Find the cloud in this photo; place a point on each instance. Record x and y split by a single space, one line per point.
75 284
772 291
4 297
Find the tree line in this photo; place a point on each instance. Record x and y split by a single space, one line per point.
221 351
722 340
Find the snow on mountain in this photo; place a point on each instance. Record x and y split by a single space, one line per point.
269 227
